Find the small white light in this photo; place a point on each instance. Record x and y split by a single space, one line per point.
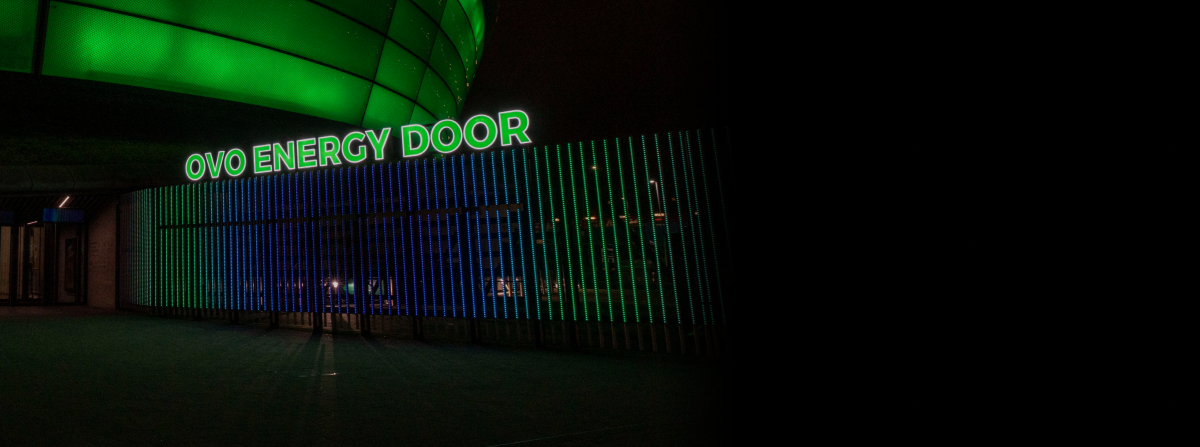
64 202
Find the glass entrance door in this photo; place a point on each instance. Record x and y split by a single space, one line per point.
41 263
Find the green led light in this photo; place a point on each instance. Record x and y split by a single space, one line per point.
687 278
667 227
587 219
616 239
641 222
600 218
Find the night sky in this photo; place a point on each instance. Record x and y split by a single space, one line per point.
585 70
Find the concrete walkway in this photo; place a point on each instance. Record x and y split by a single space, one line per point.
76 376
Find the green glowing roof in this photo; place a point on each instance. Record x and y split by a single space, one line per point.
367 62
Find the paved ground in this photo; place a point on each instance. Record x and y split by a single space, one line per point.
76 376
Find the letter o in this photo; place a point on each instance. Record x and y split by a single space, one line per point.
456 136
192 160
469 132
241 156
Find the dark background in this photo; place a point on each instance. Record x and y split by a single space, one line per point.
587 70
582 70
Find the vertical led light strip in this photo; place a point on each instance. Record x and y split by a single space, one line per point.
629 239
210 246
251 243
554 228
319 251
511 281
362 282
684 149
616 242
206 236
587 220
260 244
382 192
486 236
300 233
379 247
147 240
444 258
154 210
616 239
321 225
487 227
222 277
357 239
272 242
435 236
171 282
346 216
240 251
176 278
478 238
166 247
456 251
287 243
231 251
529 204
697 230
341 190
292 225
181 251
465 233
291 284
246 230
331 241
337 240
410 253
247 247
423 228
712 234
520 230
682 236
324 227
572 223
266 244
177 251
637 209
498 286
667 233
227 219
394 278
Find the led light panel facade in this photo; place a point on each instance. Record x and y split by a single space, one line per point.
373 63
612 232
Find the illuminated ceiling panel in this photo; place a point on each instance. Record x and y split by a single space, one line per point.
365 62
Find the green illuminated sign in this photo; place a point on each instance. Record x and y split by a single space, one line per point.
445 137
